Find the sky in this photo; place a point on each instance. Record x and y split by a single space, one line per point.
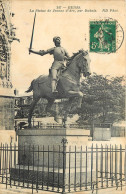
72 27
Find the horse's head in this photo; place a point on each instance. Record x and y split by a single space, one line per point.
80 63
84 63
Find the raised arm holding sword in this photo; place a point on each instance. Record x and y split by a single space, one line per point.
59 54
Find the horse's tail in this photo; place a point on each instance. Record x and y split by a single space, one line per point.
30 88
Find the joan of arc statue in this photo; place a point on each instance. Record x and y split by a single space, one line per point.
59 54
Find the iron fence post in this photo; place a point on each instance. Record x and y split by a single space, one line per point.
125 166
64 141
1 159
120 165
58 169
91 166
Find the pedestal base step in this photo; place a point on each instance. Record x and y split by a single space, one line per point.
50 178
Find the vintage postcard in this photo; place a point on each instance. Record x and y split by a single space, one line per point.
62 96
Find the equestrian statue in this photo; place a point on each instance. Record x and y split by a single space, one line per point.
62 82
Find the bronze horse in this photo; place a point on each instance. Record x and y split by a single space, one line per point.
68 85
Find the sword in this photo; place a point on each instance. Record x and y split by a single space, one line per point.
32 34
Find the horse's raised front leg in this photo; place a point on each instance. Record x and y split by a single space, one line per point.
77 94
32 106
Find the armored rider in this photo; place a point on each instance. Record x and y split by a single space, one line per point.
60 55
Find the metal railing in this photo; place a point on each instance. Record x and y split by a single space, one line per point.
63 168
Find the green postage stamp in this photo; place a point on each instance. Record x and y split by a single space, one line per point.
103 36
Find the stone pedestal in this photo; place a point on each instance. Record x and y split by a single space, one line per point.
52 136
55 153
49 140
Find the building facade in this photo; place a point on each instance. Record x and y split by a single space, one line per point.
7 35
